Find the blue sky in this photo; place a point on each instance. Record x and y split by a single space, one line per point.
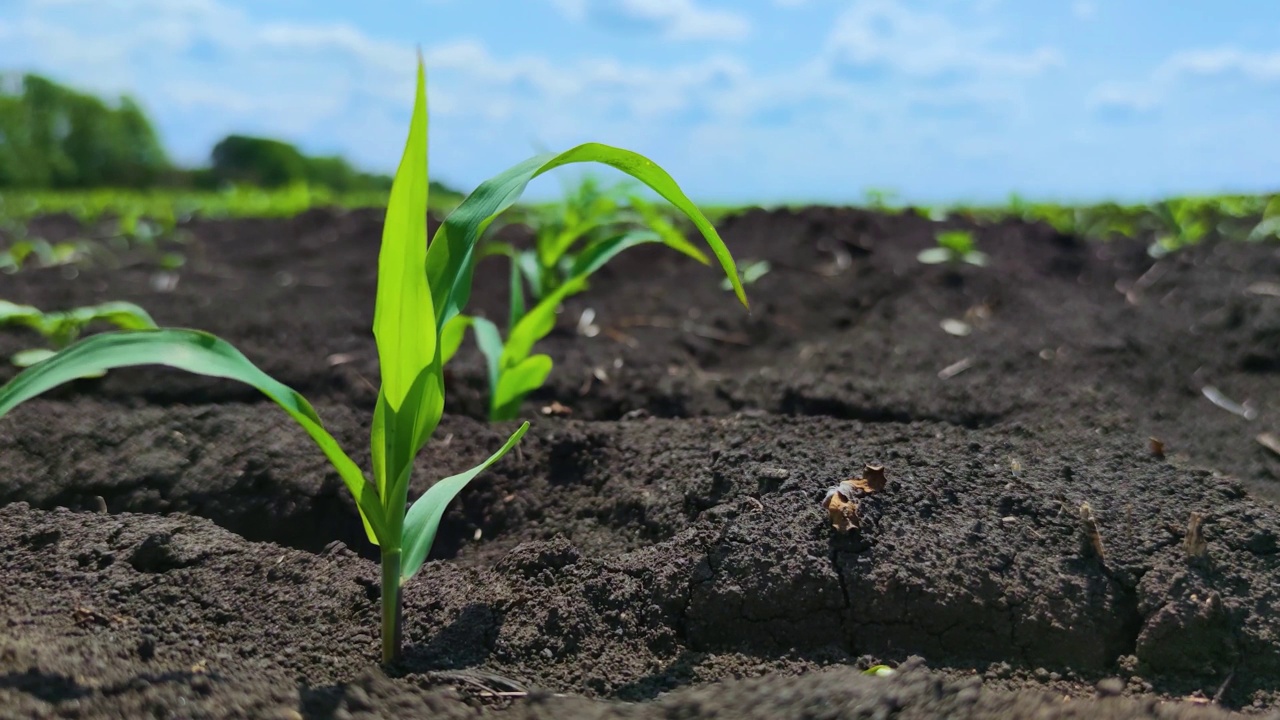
746 101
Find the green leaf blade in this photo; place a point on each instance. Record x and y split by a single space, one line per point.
517 382
195 352
404 323
423 519
451 256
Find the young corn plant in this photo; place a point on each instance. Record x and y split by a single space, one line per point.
420 290
591 218
60 329
954 247
513 370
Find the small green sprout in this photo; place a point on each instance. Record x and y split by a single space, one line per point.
60 329
591 230
42 252
513 371
1182 223
954 247
591 225
879 671
421 289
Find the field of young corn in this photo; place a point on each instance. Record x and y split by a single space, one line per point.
1011 461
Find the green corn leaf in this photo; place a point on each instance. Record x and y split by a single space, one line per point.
452 252
423 519
516 289
533 273
517 382
404 322
599 254
123 315
671 237
451 337
397 436
196 352
25 315
536 324
489 340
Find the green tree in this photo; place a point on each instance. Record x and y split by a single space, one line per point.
54 137
257 161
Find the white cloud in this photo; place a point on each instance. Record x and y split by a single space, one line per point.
878 36
670 19
1223 61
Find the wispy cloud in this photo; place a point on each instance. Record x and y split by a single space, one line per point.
1260 66
873 38
670 19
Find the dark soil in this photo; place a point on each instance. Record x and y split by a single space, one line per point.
174 546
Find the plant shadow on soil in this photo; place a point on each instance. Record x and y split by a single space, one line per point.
662 552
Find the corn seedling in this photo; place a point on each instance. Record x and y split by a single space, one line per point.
420 290
954 247
591 225
38 252
60 329
558 270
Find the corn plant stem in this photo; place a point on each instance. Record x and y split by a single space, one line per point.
390 606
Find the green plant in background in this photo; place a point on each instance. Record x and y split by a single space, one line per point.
60 329
752 271
588 231
954 247
1269 227
1182 222
592 221
38 252
421 290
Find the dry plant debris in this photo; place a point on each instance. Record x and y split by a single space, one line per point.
841 501
1093 538
1194 542
1270 441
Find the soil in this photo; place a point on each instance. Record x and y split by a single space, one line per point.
174 546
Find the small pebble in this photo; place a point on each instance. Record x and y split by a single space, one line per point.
1110 687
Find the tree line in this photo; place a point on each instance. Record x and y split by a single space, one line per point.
55 137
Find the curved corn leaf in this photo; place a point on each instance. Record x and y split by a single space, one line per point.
423 519
517 382
196 352
123 315
451 255
404 322
535 325
451 336
671 237
489 340
596 256
14 314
